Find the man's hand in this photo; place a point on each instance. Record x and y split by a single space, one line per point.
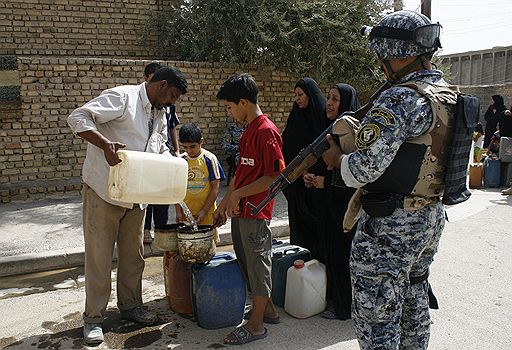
179 213
110 151
332 157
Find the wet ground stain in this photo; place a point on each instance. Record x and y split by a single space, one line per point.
142 340
41 282
4 342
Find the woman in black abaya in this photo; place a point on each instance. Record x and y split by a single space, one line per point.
341 98
305 123
493 117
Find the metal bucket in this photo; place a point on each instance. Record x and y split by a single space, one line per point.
166 237
196 247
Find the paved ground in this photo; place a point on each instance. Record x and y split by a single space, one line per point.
47 234
470 276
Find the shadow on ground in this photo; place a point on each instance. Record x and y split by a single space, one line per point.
176 331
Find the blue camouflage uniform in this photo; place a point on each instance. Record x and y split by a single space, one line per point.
389 312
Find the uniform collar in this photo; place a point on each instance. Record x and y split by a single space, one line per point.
417 75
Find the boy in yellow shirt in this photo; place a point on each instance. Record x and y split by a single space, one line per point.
204 176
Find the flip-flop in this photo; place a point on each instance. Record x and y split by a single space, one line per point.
243 335
329 314
266 319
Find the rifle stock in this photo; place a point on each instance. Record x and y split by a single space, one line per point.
308 157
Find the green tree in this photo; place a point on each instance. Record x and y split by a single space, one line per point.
317 38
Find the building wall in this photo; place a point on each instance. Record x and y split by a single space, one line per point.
39 155
87 28
484 92
484 67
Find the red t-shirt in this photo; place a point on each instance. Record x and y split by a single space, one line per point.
260 155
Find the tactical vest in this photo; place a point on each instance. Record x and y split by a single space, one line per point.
430 183
424 157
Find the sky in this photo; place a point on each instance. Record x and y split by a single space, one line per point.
470 25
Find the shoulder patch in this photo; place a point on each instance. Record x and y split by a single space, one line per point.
367 136
382 116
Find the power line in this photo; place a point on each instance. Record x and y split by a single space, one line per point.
476 28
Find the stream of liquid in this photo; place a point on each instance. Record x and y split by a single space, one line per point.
190 217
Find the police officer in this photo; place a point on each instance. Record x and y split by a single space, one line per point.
398 165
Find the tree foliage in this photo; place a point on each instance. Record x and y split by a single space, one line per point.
317 38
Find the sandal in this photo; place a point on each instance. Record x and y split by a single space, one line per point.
266 319
329 314
242 335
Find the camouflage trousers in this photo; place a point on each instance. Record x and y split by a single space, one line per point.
389 312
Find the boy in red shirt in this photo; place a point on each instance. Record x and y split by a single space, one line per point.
260 163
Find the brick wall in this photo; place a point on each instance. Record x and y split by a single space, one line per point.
90 28
38 153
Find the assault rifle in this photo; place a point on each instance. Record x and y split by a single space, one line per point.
308 156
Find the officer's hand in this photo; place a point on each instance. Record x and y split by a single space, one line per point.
332 155
110 151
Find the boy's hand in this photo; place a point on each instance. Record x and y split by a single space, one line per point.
219 216
200 216
233 205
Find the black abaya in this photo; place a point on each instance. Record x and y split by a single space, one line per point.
305 204
337 243
493 116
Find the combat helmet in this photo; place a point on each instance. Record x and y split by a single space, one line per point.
404 34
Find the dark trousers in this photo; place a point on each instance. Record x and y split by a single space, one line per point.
159 213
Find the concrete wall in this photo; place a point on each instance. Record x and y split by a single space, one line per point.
484 92
90 28
484 67
38 153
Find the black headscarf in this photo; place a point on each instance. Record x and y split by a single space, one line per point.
348 98
499 103
493 116
304 125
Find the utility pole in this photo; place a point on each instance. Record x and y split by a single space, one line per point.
426 8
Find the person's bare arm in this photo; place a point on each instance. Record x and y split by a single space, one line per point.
109 148
212 196
220 217
174 140
258 186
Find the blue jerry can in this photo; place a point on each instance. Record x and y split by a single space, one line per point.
218 292
492 172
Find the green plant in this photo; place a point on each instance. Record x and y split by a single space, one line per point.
317 38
